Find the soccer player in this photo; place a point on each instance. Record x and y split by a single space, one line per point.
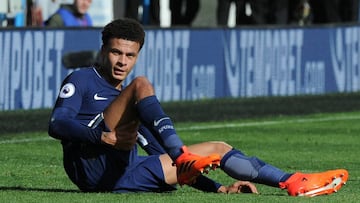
100 121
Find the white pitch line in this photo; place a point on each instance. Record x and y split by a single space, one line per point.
27 140
261 123
217 126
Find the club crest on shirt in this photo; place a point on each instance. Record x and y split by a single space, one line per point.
67 90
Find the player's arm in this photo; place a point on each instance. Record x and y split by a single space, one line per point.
64 126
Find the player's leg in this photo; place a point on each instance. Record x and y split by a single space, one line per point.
242 167
138 99
211 147
123 109
149 143
155 119
169 169
150 174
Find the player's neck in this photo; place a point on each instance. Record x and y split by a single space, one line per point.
117 84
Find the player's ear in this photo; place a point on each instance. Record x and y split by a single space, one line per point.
103 51
103 48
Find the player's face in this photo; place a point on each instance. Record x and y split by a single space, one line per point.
120 56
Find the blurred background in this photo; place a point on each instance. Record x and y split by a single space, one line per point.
194 50
197 13
274 50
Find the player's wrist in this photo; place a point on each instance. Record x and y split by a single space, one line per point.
106 138
222 189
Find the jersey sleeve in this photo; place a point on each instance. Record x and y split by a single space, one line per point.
63 124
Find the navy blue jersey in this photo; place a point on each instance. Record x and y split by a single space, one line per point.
83 97
86 93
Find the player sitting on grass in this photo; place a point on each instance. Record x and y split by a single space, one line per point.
97 120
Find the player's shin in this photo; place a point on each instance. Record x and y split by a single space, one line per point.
242 167
153 116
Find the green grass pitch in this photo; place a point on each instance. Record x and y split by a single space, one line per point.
31 163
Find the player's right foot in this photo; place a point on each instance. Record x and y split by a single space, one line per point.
190 166
314 184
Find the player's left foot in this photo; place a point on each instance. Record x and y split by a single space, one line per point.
190 166
314 184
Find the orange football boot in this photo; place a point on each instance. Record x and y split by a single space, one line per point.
314 184
190 166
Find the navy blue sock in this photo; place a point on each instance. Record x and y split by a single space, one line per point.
242 167
153 117
148 142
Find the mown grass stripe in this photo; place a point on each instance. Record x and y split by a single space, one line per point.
223 125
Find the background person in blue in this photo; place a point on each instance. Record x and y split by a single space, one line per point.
97 120
71 15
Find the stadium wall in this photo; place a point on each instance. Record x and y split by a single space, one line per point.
191 64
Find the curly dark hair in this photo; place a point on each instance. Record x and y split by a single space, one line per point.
124 28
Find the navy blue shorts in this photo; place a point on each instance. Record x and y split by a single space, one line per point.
99 168
146 175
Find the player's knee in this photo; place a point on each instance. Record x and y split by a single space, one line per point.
221 147
141 81
143 85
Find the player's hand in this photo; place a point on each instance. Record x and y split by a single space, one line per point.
109 138
123 137
239 187
242 187
126 135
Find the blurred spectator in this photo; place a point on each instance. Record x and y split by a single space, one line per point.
254 12
71 15
300 12
334 11
281 12
325 11
132 9
150 14
4 9
12 13
349 11
264 12
223 11
34 15
183 12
